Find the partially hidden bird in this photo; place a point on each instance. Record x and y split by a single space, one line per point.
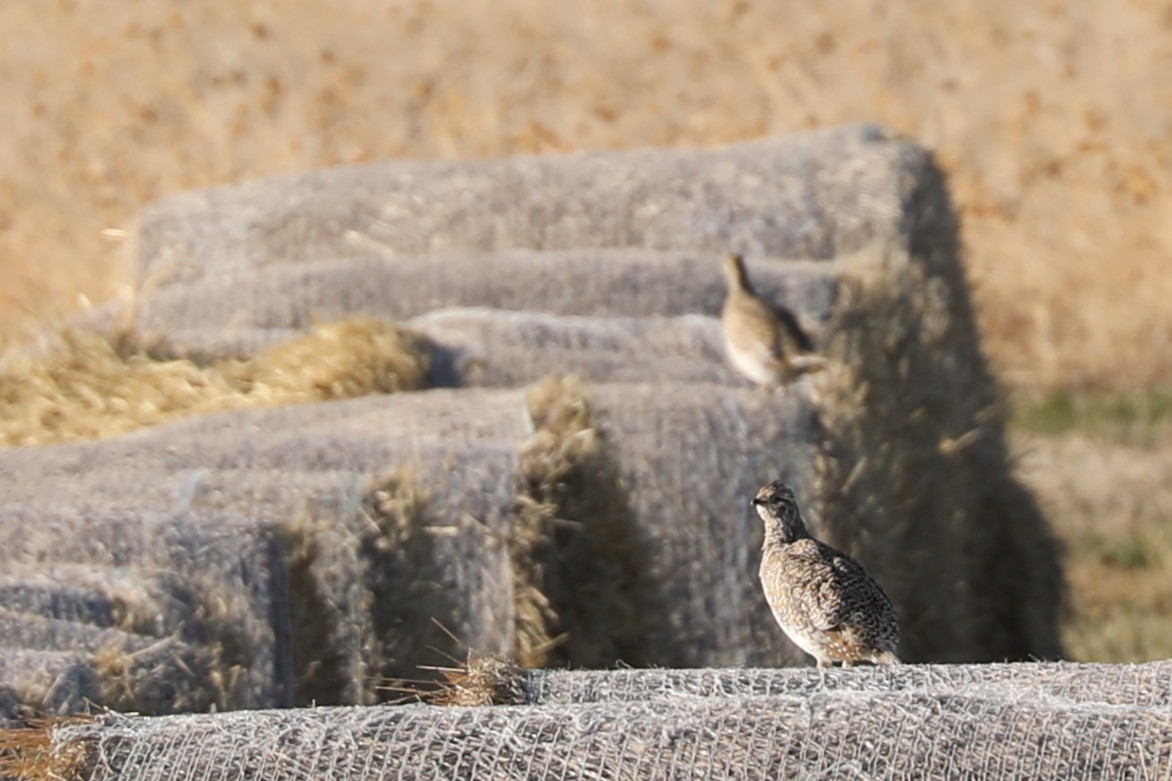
763 341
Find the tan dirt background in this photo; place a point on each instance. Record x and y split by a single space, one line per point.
1054 121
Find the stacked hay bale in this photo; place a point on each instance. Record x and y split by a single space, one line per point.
368 557
563 523
930 722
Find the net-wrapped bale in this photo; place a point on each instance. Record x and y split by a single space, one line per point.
913 451
393 522
929 732
693 455
897 447
492 347
217 581
1148 684
914 455
251 309
808 195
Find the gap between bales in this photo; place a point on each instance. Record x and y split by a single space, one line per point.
581 568
581 594
91 385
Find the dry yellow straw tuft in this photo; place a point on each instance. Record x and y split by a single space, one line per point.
91 386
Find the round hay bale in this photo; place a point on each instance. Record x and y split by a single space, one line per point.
206 317
499 348
911 734
808 195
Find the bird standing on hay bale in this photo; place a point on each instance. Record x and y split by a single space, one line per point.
824 600
763 342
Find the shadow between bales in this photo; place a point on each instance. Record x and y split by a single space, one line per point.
584 595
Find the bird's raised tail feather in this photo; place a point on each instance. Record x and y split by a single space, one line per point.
801 364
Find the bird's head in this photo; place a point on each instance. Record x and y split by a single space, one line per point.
778 508
734 271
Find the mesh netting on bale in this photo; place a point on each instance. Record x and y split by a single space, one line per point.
811 195
251 309
920 732
214 581
388 520
1145 685
492 347
913 454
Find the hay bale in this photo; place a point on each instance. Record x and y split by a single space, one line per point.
929 732
809 195
365 580
209 317
1145 685
912 452
218 579
499 348
578 524
913 457
38 683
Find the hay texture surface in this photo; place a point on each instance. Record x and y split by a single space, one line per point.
952 723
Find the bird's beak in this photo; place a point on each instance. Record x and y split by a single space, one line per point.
757 501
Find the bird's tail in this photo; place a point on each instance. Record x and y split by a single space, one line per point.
886 657
801 364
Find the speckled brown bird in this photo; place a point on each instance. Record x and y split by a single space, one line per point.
764 342
824 600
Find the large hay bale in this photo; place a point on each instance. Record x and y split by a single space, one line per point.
388 520
493 347
930 731
216 578
584 524
913 456
234 315
1142 685
809 195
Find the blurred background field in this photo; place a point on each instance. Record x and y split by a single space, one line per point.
1053 120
